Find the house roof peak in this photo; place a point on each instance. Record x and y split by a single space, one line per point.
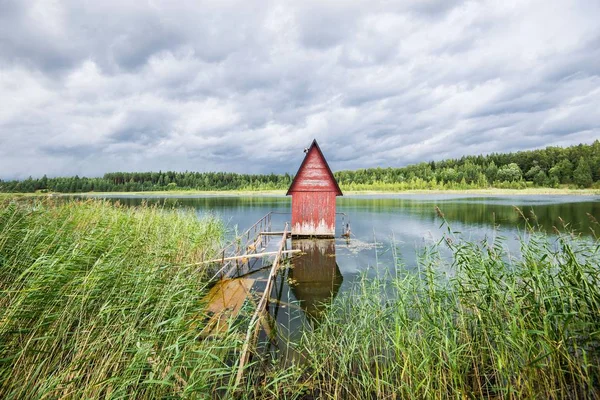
314 174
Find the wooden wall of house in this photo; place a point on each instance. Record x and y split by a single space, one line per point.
313 214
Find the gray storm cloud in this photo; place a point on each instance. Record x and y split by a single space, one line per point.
94 87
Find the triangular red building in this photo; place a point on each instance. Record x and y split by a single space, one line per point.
313 192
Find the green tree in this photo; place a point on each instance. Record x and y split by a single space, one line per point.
44 182
582 176
449 175
482 181
533 171
510 173
540 179
563 171
491 171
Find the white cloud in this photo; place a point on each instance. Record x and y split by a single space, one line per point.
93 87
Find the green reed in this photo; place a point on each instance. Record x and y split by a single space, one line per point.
473 321
99 301
96 301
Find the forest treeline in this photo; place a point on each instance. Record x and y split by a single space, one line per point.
574 166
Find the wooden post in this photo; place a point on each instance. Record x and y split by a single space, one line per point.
222 263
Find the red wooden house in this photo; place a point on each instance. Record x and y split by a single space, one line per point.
313 192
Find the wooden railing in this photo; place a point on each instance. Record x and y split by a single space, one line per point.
248 241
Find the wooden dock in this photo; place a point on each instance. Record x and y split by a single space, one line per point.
232 272
234 287
241 255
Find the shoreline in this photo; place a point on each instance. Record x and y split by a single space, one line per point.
491 191
266 193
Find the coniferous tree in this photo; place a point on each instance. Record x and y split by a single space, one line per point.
545 167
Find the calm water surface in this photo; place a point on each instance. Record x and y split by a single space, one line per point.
380 223
406 222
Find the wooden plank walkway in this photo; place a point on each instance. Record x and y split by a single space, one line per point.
225 300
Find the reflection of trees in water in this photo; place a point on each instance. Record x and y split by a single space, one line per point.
315 275
546 216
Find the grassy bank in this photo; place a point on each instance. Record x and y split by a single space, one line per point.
96 302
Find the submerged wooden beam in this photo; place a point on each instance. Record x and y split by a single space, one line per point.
273 233
254 255
224 301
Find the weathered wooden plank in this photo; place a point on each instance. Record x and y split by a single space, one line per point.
253 326
272 233
313 214
252 255
224 301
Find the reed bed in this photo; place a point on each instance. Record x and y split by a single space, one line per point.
482 323
96 301
99 301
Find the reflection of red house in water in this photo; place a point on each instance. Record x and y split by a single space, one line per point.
313 192
316 274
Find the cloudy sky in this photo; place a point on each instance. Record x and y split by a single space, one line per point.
88 87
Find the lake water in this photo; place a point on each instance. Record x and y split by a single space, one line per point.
407 222
379 224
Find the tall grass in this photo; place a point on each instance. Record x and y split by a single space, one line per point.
96 301
499 325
